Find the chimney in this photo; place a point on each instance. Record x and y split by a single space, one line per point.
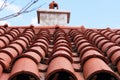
53 16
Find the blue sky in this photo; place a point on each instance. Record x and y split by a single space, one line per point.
90 13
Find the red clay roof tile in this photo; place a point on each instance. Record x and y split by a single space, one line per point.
79 76
115 57
11 51
3 30
100 71
26 67
32 55
118 67
112 50
42 67
4 76
53 53
77 67
1 68
92 54
5 60
65 66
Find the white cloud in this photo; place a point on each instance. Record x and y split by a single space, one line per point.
34 21
1 2
4 22
14 8
11 7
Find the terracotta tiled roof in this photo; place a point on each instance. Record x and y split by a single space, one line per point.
59 53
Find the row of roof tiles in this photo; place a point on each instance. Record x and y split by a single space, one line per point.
92 60
55 54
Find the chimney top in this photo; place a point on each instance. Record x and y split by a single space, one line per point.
53 5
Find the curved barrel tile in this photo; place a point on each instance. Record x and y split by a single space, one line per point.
14 34
115 57
26 40
92 54
6 39
115 37
112 36
117 40
106 46
102 31
62 44
79 39
117 31
22 42
60 40
88 33
77 36
71 32
30 69
78 43
79 76
64 48
43 40
12 51
99 39
5 60
92 35
97 69
108 34
62 53
85 49
18 47
40 44
112 50
1 69
29 33
102 42
10 37
4 76
83 45
3 30
2 43
40 51
94 38
64 70
118 66
33 55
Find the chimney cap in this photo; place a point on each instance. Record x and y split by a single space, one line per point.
53 5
